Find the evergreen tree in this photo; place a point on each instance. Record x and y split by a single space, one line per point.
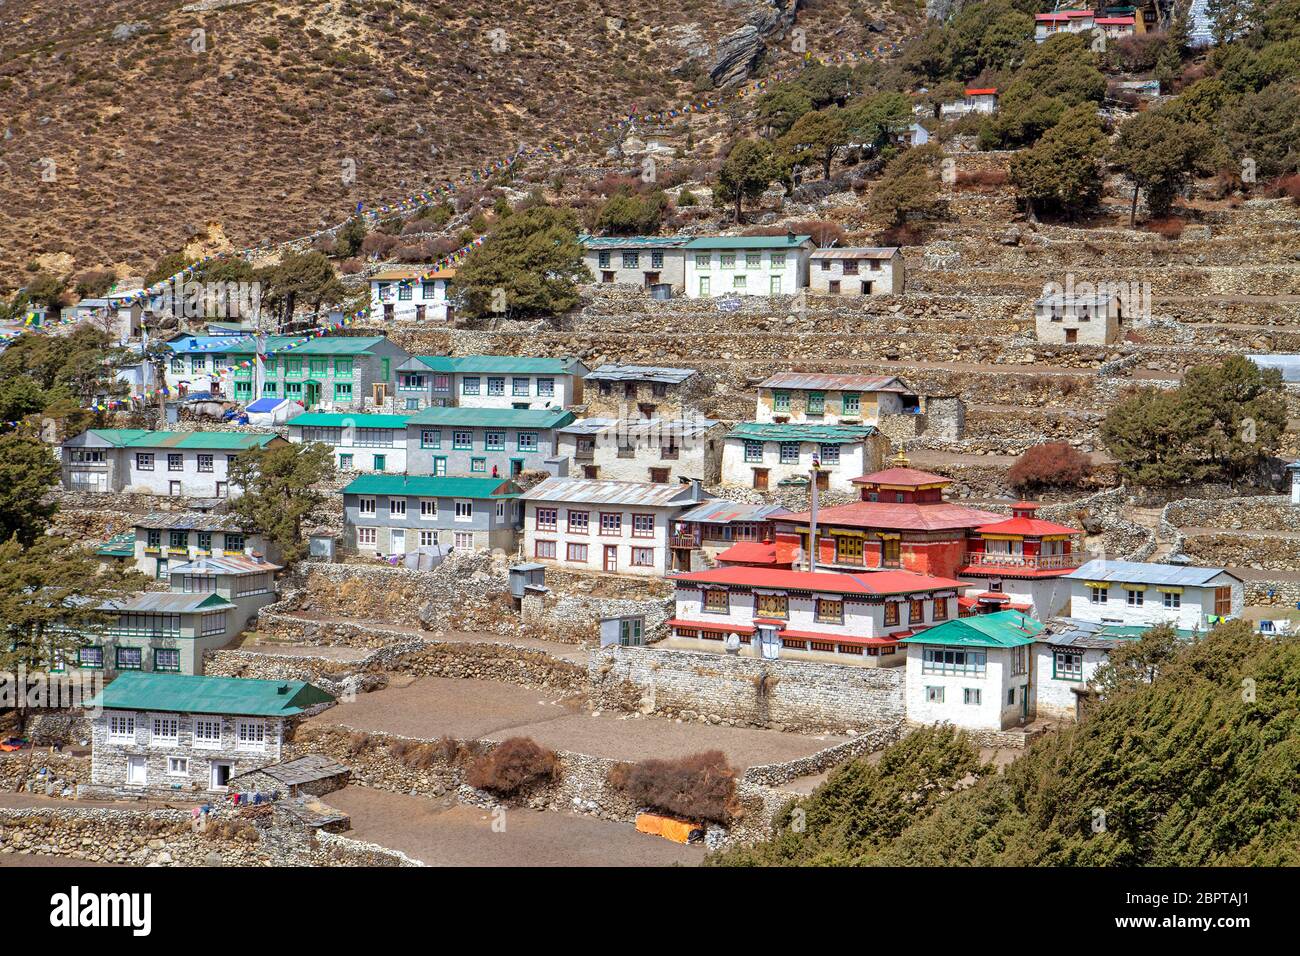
746 173
28 470
1062 173
280 487
529 264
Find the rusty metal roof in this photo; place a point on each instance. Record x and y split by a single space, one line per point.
721 511
837 382
599 492
856 252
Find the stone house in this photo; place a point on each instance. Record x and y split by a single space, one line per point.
165 632
136 461
1061 319
641 449
173 735
855 619
644 261
1066 656
713 527
389 515
747 265
1117 27
984 101
360 441
1063 21
489 381
857 271
162 539
615 390
833 399
620 527
763 455
972 672
196 362
1140 594
411 294
482 442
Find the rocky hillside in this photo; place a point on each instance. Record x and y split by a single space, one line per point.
131 125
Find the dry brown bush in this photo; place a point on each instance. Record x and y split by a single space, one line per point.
981 178
1170 227
1055 464
359 742
699 786
513 764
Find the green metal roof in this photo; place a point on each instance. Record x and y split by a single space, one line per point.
800 431
192 694
227 441
1000 629
505 364
320 345
747 242
119 546
339 419
493 417
432 487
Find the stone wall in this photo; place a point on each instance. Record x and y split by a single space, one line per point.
723 688
40 771
1262 513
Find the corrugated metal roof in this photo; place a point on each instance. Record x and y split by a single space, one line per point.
223 564
135 438
1086 635
641 427
1138 572
118 546
192 694
632 242
898 516
504 364
618 372
856 252
832 582
200 344
999 629
413 272
306 769
801 431
493 417
320 345
169 602
721 511
596 491
748 242
836 382
187 521
429 486
342 419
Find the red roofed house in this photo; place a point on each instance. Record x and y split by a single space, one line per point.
842 618
1117 27
903 522
759 554
1062 21
977 100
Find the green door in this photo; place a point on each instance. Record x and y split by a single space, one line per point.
313 394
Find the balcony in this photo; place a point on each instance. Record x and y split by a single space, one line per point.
1023 562
683 541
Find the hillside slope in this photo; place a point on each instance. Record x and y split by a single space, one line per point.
127 130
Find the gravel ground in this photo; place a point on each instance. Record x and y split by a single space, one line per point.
432 707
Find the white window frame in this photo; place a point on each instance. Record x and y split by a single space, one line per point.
464 509
184 766
207 743
250 734
428 509
164 739
121 728
366 506
397 507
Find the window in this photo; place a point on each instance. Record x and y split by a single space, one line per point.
631 260
727 260
656 259
464 509
464 441
330 436
153 538
234 542
167 659
342 368
546 519
428 539
971 695
178 366
851 403
738 281
545 387
430 437
469 385
178 766
1020 659
544 549
404 291
121 728
214 623
178 540
205 540
703 260
753 450
205 464
494 441
528 441
891 613
144 461
781 401
643 557
942 660
717 600
778 260
429 509
916 611
1097 595
345 462
934 695
848 550
365 536
380 462
318 366
1223 601
198 583
397 507
816 403
496 385
753 260
90 657
643 526
478 465
1011 696
374 438
602 259
164 731
611 523
1173 600
579 522
830 611
1067 665
207 733
250 734
830 454
789 453
772 605
130 659
577 553
1135 597
342 391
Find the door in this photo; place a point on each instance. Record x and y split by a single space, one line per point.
313 394
136 773
380 393
440 466
223 489
629 631
704 285
775 287
866 288
769 642
397 541
174 489
218 774
388 311
611 557
516 467
760 479
651 278
1071 336
419 313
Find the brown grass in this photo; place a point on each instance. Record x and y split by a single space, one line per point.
700 786
512 765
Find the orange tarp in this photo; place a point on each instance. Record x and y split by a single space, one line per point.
679 831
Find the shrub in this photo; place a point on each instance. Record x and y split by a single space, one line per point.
513 764
981 178
700 786
1170 227
1052 465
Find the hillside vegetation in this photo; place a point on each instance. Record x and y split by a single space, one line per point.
1198 768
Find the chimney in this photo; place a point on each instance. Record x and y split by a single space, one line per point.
1024 509
790 237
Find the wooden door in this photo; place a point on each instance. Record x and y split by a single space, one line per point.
760 479
611 557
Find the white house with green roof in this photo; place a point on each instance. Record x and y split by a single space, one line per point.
361 441
482 442
636 260
138 461
747 265
176 735
762 455
488 381
163 631
972 672
386 515
165 539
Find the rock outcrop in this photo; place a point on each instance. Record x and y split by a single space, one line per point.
740 53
